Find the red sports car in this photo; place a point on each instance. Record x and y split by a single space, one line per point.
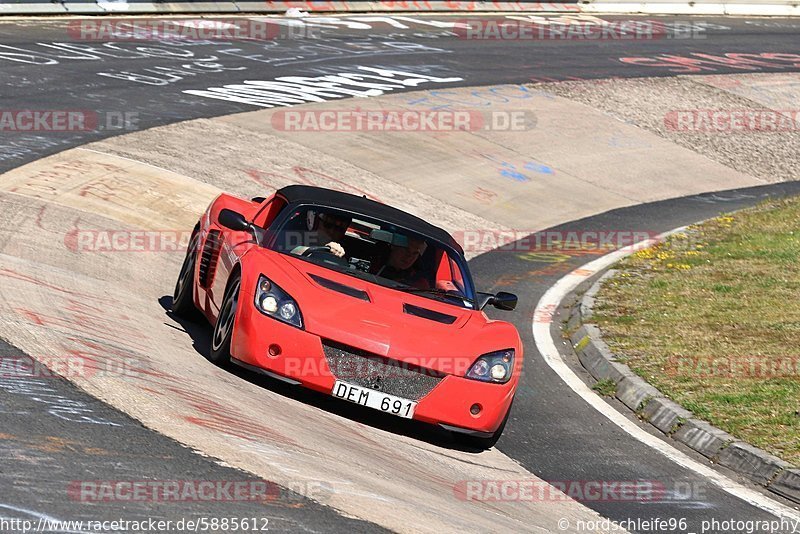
356 299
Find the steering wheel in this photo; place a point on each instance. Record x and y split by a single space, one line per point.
329 257
311 250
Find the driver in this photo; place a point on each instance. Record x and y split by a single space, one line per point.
324 229
401 264
332 229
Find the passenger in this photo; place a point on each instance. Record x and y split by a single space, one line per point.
401 265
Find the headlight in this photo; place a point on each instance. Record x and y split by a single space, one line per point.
273 301
493 367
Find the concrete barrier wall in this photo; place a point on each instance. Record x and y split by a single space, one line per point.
145 7
88 7
777 8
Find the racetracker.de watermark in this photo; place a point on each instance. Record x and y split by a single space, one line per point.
401 120
481 29
487 240
369 367
189 30
733 121
65 120
741 366
87 491
535 490
78 240
69 366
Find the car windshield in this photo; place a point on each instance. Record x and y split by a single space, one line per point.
375 251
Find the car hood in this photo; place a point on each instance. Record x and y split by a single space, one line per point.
401 326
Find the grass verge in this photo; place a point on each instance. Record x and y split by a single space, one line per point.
711 317
605 387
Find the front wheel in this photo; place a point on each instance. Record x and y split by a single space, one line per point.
223 329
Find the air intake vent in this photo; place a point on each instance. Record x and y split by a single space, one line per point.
425 313
341 288
208 259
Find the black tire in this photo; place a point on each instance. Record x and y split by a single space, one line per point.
183 296
220 352
480 443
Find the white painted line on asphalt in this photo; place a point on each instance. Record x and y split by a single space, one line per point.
542 319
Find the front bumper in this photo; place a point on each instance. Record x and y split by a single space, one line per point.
307 359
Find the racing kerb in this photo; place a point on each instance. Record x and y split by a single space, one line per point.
73 300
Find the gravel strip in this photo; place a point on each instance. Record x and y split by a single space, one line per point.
647 102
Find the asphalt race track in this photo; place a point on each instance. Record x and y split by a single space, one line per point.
563 452
43 66
134 86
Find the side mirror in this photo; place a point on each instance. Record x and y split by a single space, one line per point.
234 221
501 301
504 301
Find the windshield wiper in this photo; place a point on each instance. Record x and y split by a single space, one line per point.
361 275
435 291
439 294
369 277
432 290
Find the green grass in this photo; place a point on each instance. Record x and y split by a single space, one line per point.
712 319
605 387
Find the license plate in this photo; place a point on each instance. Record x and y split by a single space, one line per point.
374 399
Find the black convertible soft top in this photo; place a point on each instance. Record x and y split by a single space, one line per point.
306 194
